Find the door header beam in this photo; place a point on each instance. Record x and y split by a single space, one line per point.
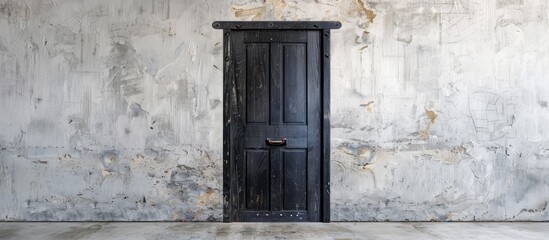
294 25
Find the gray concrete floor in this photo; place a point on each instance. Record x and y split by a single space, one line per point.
393 231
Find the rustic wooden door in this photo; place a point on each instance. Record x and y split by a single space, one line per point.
275 125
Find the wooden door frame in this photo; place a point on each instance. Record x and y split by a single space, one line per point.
230 193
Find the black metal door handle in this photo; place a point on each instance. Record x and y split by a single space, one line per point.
276 142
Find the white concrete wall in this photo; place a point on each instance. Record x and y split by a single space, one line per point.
111 109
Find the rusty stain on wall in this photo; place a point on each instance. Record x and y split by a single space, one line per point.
369 13
431 118
368 106
256 13
111 112
431 115
278 7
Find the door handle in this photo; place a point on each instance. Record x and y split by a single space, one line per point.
271 142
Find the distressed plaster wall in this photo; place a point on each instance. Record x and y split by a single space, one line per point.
111 110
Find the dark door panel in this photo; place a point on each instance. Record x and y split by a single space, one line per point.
294 173
294 99
257 82
279 79
276 165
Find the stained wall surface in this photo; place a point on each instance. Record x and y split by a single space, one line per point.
112 110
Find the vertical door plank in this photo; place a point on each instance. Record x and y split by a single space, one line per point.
238 106
326 126
313 125
228 79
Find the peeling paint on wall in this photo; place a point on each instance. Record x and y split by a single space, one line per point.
111 110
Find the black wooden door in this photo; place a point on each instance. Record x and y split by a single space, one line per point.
276 116
278 93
